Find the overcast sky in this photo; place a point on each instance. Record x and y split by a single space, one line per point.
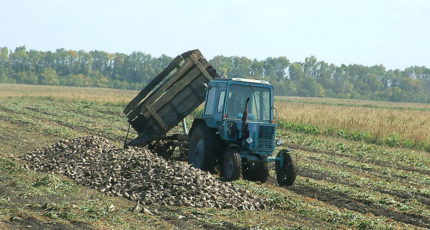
395 33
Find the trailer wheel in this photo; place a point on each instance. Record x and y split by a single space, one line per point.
203 151
231 164
256 171
287 174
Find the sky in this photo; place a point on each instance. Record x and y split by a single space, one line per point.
394 33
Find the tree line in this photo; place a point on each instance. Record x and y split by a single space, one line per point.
311 78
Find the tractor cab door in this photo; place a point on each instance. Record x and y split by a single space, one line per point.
214 104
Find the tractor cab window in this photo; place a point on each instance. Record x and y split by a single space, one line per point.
221 101
209 107
258 106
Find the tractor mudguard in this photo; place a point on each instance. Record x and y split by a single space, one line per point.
196 122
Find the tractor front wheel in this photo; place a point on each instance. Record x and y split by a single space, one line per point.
285 175
231 165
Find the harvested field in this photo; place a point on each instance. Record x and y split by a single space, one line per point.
341 183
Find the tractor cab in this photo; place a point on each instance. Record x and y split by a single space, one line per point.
242 112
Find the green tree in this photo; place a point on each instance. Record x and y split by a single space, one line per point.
49 77
276 68
133 71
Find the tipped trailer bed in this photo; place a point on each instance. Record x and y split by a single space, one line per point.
171 96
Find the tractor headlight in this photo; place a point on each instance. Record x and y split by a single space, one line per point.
249 140
279 142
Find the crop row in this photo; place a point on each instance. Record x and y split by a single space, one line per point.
92 118
391 127
387 193
316 210
392 140
400 158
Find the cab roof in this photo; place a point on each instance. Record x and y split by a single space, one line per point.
245 80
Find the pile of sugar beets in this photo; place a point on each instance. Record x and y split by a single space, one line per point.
139 175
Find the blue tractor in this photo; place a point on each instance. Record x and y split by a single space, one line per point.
235 132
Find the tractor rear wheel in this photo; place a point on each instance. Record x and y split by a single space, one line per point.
231 165
287 174
203 150
256 171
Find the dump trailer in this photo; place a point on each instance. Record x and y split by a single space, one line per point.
171 96
236 132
